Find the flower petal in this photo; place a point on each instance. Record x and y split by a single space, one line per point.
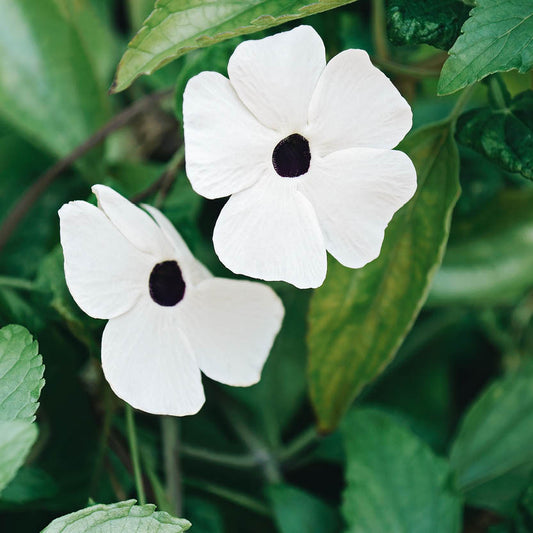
194 271
275 76
355 193
132 222
105 273
356 105
231 326
149 363
271 232
226 148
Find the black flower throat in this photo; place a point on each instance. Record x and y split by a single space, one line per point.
166 284
291 156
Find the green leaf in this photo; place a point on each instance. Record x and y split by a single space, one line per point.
489 259
16 439
394 481
48 86
204 515
51 281
21 374
176 27
496 38
492 456
295 511
30 484
359 318
118 518
96 35
437 23
503 135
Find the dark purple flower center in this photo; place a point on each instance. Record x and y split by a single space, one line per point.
166 284
292 157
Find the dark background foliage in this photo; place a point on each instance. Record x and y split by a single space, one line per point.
431 426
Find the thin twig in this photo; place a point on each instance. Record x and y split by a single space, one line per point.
33 193
243 500
164 182
224 459
134 451
17 283
170 431
379 30
413 71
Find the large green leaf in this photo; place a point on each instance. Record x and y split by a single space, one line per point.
489 260
16 439
30 484
48 86
176 27
394 482
504 134
295 511
496 38
21 381
118 518
492 454
21 374
359 318
100 42
437 23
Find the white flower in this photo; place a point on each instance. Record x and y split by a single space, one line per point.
304 149
168 316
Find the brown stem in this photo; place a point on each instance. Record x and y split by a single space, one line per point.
32 194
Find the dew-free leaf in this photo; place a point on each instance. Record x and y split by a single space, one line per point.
176 27
491 456
489 259
21 374
497 37
359 318
16 439
296 510
503 135
394 482
118 518
437 23
48 85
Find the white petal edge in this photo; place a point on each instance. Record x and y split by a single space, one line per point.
149 363
356 105
271 232
226 148
194 272
275 77
105 273
132 222
231 326
355 194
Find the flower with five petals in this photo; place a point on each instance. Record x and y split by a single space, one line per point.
169 318
305 151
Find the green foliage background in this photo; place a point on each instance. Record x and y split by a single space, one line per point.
397 397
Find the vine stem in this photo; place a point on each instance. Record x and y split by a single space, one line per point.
134 451
33 193
379 30
17 283
170 433
243 500
460 105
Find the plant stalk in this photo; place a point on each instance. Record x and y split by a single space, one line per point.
134 451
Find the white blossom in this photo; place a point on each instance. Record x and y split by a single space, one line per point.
305 151
169 318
